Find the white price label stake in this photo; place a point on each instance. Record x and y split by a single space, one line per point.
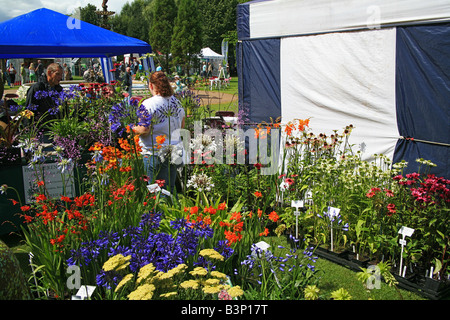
296 204
332 213
405 232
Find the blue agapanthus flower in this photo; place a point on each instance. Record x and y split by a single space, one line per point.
116 117
145 243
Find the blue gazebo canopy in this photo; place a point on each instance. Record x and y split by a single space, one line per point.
44 33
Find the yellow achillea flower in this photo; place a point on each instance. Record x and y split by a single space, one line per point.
235 291
199 271
212 282
161 277
117 262
190 284
178 269
219 275
211 253
143 292
145 272
124 281
168 294
212 289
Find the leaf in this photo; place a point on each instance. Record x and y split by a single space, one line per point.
441 234
437 266
359 228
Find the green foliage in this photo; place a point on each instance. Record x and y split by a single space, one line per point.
13 285
186 38
218 18
87 14
163 14
132 20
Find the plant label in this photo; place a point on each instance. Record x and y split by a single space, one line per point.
152 188
405 231
402 242
84 292
297 204
333 212
262 245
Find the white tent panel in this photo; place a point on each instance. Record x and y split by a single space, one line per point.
300 17
343 78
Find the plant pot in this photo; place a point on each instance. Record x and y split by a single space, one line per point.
436 289
432 284
340 257
362 261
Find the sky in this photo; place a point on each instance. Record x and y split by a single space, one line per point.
13 8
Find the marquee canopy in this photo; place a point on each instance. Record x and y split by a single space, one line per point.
381 65
44 33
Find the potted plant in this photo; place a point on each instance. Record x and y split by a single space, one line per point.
12 117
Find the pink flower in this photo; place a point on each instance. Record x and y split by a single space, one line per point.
391 208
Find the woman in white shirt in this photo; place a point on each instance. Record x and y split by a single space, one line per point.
159 139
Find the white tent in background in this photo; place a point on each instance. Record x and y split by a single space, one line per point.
210 56
208 53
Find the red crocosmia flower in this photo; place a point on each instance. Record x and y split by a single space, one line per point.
273 216
236 216
238 227
264 233
66 199
27 218
41 197
14 202
257 194
40 183
193 210
222 206
259 213
25 208
207 220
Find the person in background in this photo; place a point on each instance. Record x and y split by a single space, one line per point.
49 83
32 71
23 73
128 81
40 71
12 75
167 117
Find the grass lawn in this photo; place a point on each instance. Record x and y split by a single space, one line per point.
334 277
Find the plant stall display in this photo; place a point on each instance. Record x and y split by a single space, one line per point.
218 235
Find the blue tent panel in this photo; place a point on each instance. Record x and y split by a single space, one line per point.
423 96
259 74
44 33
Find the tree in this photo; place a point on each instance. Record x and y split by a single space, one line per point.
163 13
87 14
187 32
131 20
218 18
